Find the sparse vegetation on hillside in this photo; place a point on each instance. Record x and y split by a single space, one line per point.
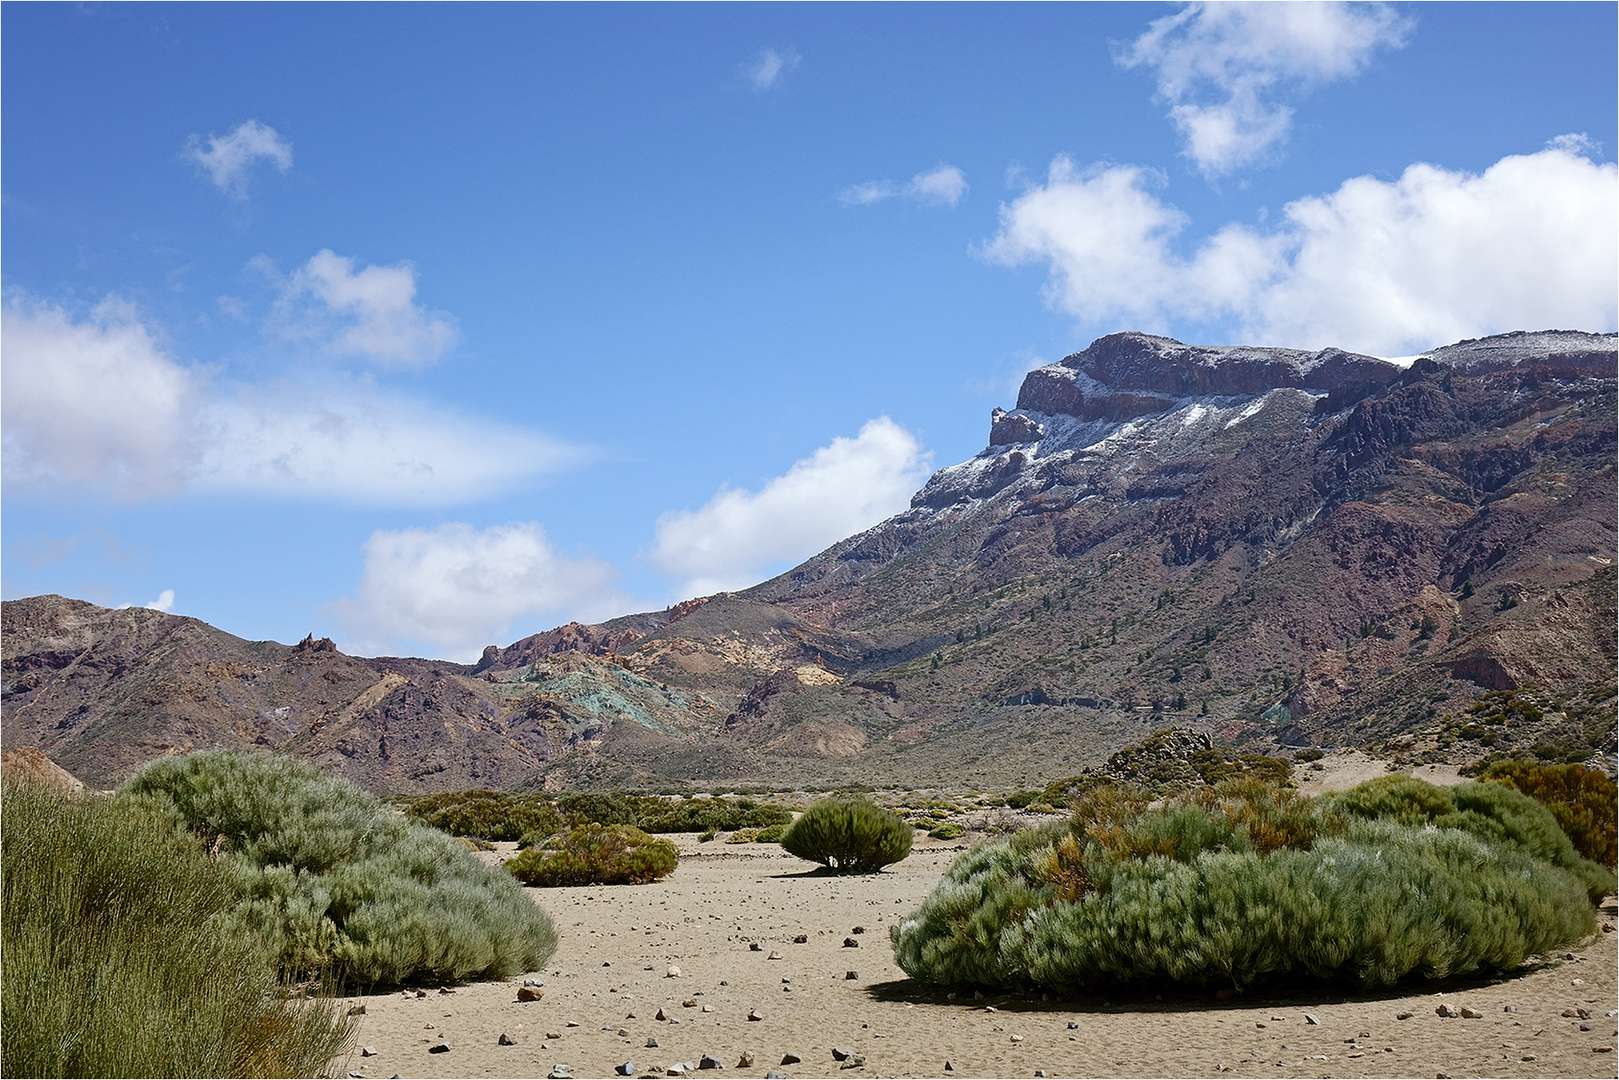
491 816
595 855
335 883
118 958
1247 880
851 836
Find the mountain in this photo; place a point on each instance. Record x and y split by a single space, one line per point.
1284 547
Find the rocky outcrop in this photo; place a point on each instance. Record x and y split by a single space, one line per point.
1122 376
1007 429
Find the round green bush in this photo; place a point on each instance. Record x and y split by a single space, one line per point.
949 830
596 855
849 835
1231 886
771 834
336 883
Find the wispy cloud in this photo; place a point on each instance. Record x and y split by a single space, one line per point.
370 313
99 403
1227 70
943 186
228 160
766 70
1383 267
839 490
457 588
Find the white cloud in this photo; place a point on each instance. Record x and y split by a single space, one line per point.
99 405
1384 267
457 588
370 313
164 601
229 159
91 404
766 69
836 492
943 186
1225 68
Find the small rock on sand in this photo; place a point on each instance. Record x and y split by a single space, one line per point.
851 975
850 943
709 1061
529 993
1312 1018
840 1053
626 1069
439 1048
368 1051
652 1043
672 973
746 1060
774 956
790 1058
755 1014
801 939
506 1040
754 946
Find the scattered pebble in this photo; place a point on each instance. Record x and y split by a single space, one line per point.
840 1053
368 1051
774 956
1073 1025
1471 1014
1446 1010
709 1061
754 946
850 943
559 1072
949 1067
439 1048
1312 1018
746 1060
505 1040
850 975
755 1014
626 1069
1402 1016
790 1058
652 1042
672 973
529 993
801 939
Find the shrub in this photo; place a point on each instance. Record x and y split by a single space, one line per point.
743 836
695 815
585 807
949 830
118 961
596 855
335 882
771 834
1584 801
485 815
849 835
1246 882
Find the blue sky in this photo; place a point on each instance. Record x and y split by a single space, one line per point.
428 327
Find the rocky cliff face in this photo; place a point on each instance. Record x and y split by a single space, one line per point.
1281 546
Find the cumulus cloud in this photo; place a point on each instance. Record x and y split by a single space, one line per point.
943 186
1384 267
95 403
837 491
369 313
99 404
1226 69
456 588
767 68
164 601
229 159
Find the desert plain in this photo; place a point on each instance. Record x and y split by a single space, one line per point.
715 948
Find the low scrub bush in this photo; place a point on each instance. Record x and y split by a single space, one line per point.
334 882
771 834
1248 881
596 855
1584 801
699 815
485 815
849 835
119 960
743 836
949 830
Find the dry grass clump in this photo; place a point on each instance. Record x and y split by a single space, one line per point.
336 883
119 960
1247 881
595 855
849 835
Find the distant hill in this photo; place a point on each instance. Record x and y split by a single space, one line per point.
1283 547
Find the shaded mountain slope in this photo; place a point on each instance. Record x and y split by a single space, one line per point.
1284 546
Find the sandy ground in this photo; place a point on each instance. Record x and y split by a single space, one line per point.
610 977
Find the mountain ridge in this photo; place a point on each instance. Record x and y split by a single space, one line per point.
1277 548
